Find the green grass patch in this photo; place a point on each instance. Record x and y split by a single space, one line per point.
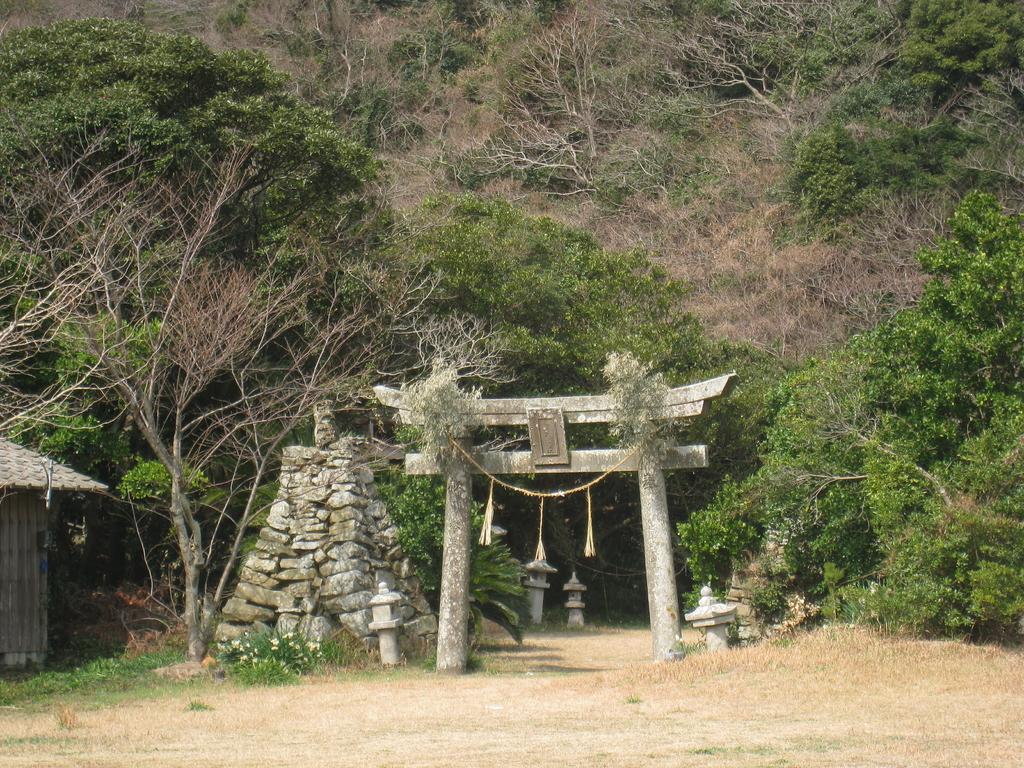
264 672
95 677
732 750
690 649
343 650
10 742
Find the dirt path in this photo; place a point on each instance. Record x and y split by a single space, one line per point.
833 698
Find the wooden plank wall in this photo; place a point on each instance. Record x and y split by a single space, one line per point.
23 521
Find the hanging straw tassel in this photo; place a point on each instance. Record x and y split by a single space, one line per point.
588 548
485 530
540 554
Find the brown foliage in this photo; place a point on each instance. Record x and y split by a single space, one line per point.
579 104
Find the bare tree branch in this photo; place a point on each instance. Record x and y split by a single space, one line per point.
216 362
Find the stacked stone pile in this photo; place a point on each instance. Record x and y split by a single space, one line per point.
327 544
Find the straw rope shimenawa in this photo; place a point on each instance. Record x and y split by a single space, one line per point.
485 532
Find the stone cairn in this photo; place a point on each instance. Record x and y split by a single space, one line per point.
327 545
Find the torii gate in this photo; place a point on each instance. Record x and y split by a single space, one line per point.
546 418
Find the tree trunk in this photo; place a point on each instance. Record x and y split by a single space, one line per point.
453 613
663 601
195 626
190 546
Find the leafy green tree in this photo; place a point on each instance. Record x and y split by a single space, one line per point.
835 174
97 93
172 103
560 302
167 107
953 43
897 461
950 365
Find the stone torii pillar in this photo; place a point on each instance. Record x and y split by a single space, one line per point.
453 608
546 418
662 596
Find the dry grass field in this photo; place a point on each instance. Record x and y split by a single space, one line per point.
835 697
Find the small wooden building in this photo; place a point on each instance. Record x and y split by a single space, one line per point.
30 487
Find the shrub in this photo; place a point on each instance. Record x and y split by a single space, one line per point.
832 576
270 658
342 650
997 594
232 17
897 463
919 606
834 174
416 505
415 54
495 584
716 536
868 100
769 601
265 672
377 116
824 176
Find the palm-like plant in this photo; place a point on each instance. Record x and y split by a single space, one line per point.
497 590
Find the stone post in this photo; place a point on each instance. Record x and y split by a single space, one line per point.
662 598
537 583
325 428
453 609
386 624
574 602
714 618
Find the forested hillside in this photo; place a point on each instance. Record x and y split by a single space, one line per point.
786 159
824 196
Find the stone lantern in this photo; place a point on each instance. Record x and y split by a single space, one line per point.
385 623
537 582
574 602
714 618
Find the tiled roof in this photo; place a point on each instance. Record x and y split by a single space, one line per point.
25 469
